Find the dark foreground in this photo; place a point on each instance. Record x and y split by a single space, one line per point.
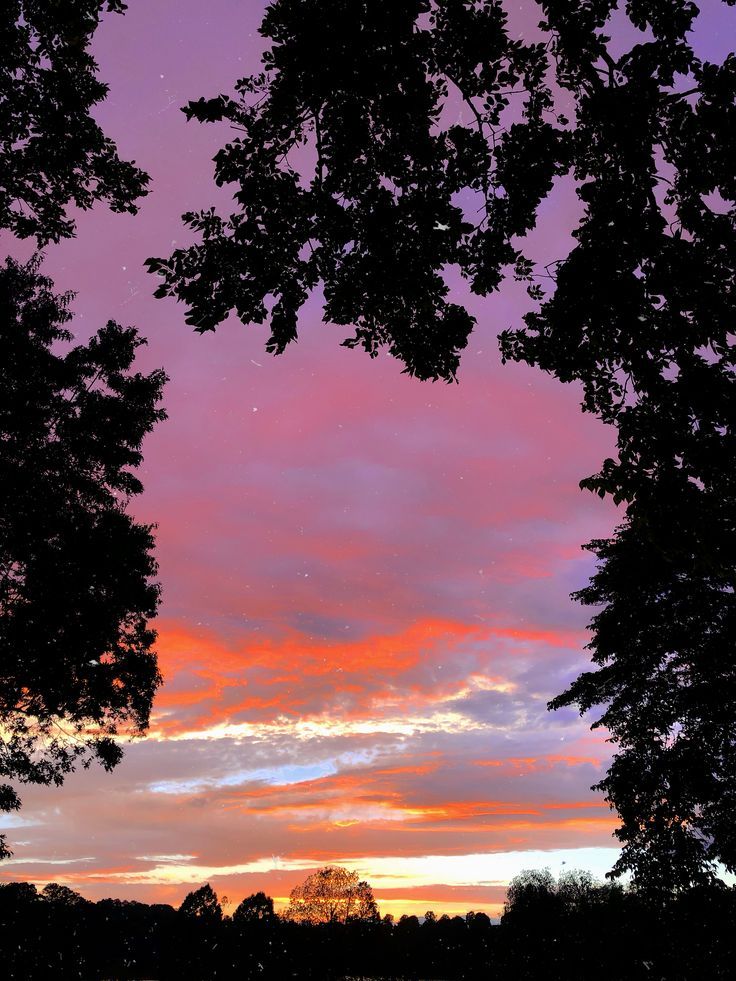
607 934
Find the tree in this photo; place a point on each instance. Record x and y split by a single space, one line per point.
364 87
62 895
257 908
202 904
651 345
76 661
77 667
532 900
52 152
638 313
576 889
478 921
332 895
367 909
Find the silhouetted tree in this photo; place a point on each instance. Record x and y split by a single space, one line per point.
52 152
332 895
575 889
367 908
639 313
62 895
202 904
629 938
76 665
257 908
17 895
76 592
363 86
532 896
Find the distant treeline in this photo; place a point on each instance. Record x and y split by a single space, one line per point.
549 931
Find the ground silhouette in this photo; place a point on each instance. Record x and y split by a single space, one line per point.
571 929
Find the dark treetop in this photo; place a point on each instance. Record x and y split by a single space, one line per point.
52 152
347 174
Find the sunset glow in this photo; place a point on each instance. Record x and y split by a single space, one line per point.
366 579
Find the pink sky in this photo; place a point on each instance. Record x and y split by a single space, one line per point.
365 578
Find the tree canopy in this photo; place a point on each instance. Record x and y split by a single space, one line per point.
77 666
535 896
611 933
52 152
354 171
257 908
202 904
332 895
52 892
76 571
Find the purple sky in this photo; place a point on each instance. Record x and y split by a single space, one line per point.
365 577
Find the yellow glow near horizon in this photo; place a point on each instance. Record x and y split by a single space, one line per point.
387 872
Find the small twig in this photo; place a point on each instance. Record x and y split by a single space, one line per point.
480 124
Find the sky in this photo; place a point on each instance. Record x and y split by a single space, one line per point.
365 578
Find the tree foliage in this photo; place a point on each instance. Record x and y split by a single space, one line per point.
52 892
257 908
354 171
332 895
361 87
641 315
76 571
534 895
609 932
52 152
202 904
76 661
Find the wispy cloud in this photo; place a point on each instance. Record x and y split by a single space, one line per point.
366 581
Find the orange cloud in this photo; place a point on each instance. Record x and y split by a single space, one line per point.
212 682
